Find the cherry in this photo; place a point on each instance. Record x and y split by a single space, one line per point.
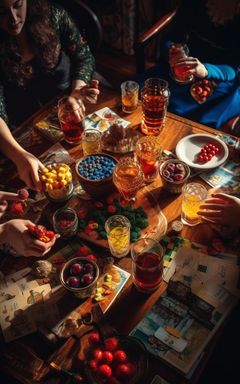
104 371
76 269
92 364
91 257
111 343
88 268
94 338
73 282
107 357
87 279
97 354
119 356
123 370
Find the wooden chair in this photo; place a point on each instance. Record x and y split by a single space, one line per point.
87 22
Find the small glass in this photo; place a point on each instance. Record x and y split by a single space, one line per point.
118 235
147 264
91 141
129 95
155 97
128 178
72 127
65 222
148 151
179 73
194 195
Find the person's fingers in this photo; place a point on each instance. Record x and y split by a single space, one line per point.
223 196
207 220
213 206
213 201
9 196
210 213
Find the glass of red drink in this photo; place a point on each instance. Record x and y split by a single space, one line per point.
148 151
72 126
180 74
147 264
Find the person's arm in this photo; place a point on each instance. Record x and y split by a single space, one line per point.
27 164
14 233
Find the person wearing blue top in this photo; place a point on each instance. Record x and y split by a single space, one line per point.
211 31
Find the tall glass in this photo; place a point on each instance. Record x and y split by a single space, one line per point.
155 97
72 128
129 96
128 178
91 141
118 235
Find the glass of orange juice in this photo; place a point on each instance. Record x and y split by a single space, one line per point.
193 196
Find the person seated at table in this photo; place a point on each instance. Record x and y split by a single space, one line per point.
213 40
222 209
14 232
42 54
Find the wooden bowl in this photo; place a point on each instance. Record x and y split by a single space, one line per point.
97 187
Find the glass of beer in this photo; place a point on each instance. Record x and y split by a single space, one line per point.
155 97
71 127
91 141
193 196
129 95
128 178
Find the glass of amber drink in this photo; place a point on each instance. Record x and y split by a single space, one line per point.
128 178
91 141
155 97
148 151
193 196
129 95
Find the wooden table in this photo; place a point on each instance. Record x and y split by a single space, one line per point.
130 307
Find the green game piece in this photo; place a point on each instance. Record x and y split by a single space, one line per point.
103 234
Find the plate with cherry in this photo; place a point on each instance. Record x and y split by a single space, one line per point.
202 151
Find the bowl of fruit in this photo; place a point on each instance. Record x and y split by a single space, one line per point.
95 173
115 360
174 174
79 276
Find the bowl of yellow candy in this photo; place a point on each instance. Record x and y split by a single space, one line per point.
57 183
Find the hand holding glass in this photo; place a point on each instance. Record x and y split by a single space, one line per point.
193 195
71 119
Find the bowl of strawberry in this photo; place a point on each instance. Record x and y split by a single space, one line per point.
115 360
174 174
79 276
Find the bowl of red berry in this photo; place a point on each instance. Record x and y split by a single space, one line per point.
174 174
79 276
202 151
115 360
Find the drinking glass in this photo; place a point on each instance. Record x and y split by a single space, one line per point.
128 178
148 151
193 196
177 52
71 126
147 264
91 141
155 97
129 95
65 222
118 234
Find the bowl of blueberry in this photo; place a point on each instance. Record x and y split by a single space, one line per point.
95 173
174 174
79 276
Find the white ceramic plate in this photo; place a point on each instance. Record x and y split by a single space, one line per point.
188 148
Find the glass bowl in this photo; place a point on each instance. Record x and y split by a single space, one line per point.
174 174
124 362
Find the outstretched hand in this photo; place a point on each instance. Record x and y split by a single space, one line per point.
88 93
28 167
17 235
221 208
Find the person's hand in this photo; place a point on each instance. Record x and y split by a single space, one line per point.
192 66
16 234
4 197
75 105
28 167
88 93
221 209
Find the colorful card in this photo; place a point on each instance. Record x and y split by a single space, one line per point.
103 118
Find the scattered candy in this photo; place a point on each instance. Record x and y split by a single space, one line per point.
17 207
23 194
41 233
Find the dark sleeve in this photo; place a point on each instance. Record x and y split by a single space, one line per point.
3 112
82 60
